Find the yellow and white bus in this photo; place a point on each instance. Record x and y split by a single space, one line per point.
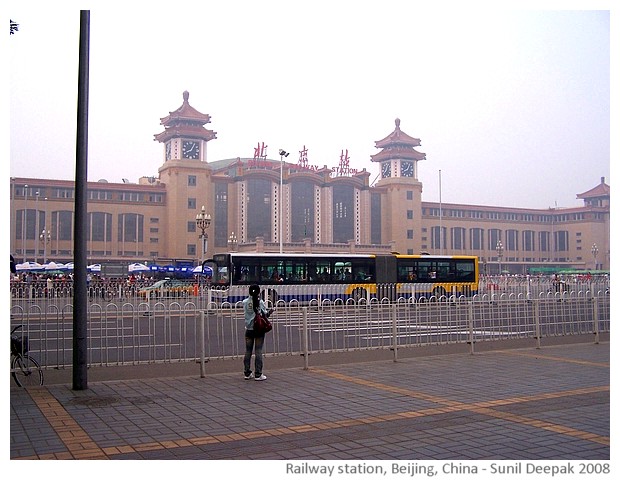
304 277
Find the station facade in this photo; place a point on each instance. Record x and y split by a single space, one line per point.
264 204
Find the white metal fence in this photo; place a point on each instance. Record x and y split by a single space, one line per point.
135 331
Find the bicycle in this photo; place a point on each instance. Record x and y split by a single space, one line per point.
25 370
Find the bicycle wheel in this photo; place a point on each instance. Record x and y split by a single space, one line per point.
26 371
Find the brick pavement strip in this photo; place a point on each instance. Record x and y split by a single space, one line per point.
415 421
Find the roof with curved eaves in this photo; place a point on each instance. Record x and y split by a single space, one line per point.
601 190
398 137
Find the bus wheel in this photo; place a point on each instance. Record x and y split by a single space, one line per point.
358 294
272 296
439 292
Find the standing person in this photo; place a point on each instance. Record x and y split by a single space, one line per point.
251 306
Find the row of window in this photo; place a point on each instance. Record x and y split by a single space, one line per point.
98 195
504 216
478 239
130 226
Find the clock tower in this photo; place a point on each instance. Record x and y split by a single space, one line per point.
187 176
184 135
401 215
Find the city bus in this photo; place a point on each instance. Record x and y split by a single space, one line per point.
332 276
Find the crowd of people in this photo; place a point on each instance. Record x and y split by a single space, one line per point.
45 285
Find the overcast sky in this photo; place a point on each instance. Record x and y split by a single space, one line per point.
513 106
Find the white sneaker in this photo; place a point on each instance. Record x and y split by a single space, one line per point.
261 378
249 377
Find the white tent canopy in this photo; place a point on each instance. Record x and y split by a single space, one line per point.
54 266
138 267
28 266
207 270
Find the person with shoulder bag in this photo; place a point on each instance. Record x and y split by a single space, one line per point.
254 340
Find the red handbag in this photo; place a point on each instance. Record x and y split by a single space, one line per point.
261 324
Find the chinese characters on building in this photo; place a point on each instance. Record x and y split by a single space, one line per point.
259 160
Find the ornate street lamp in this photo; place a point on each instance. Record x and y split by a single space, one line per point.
500 253
203 220
594 254
46 238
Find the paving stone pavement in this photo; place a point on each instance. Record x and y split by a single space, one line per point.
514 404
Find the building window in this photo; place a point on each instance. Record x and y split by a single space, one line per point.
62 192
438 238
409 194
543 241
409 214
191 226
528 240
343 213
191 180
458 238
220 215
409 234
130 227
130 197
476 238
375 218
561 241
495 235
99 227
302 210
191 203
191 249
512 240
62 225
259 209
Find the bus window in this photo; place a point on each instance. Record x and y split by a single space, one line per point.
443 272
324 271
246 271
363 270
465 271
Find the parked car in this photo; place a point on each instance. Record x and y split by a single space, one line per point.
167 288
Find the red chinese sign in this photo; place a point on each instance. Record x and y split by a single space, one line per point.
260 157
302 163
343 168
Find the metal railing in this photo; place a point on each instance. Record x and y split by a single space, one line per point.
189 329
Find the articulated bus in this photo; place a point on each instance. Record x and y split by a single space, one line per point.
306 277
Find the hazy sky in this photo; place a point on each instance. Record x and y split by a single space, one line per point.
513 106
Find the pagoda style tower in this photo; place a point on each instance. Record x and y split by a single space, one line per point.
401 220
185 136
187 177
398 158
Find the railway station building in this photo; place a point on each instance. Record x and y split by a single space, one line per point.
267 204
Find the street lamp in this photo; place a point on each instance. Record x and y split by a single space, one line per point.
500 253
203 220
594 254
232 242
24 218
36 225
283 154
46 238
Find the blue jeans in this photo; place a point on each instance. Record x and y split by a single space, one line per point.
253 343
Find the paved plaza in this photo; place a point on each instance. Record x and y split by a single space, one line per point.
513 404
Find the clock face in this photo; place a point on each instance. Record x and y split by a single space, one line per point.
406 169
168 151
191 149
386 170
